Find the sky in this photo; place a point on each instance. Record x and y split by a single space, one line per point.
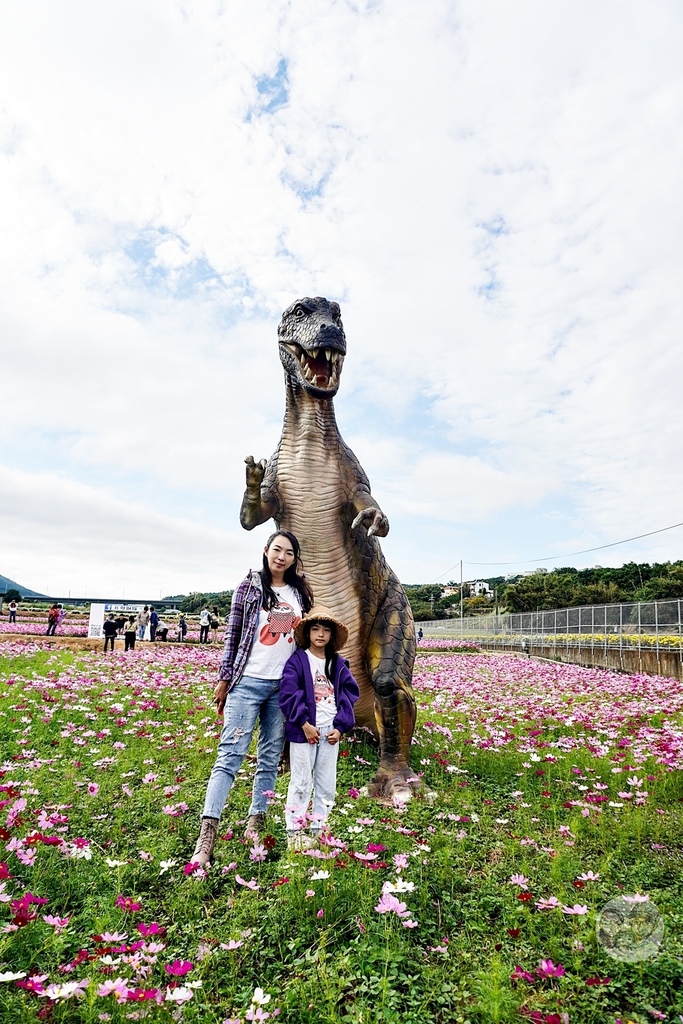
491 191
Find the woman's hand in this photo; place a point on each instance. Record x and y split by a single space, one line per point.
220 693
334 736
311 733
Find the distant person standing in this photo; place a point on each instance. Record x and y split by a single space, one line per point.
129 634
109 630
182 628
61 614
153 623
420 634
215 623
204 623
52 618
13 611
143 621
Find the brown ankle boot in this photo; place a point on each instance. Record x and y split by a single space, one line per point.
205 842
256 826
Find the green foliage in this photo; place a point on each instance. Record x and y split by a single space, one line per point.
569 588
195 601
12 595
351 965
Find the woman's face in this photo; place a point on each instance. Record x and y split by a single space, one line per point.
280 555
320 637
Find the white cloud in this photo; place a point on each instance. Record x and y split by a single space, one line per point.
490 190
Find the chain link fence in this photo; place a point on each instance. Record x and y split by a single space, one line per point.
653 625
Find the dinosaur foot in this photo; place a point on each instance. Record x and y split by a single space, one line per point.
394 784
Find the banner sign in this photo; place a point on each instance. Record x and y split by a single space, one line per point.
96 620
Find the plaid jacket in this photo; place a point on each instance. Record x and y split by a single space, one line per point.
241 628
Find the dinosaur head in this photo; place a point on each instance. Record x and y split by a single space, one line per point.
313 345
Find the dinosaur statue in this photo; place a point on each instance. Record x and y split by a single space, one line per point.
315 487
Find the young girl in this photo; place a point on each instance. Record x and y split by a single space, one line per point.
317 695
259 639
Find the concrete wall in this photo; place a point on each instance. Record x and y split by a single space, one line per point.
650 662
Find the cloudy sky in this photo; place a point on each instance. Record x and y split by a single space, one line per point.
491 190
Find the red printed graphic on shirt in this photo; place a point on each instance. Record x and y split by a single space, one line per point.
282 621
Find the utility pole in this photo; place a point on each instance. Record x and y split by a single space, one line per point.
461 613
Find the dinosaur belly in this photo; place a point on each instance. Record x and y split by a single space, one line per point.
309 488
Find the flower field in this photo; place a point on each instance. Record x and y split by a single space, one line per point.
549 790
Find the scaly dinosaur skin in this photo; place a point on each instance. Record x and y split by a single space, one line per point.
315 487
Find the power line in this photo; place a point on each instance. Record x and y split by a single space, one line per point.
569 554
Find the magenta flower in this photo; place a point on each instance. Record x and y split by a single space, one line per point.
179 968
354 793
548 969
128 904
519 972
152 929
93 788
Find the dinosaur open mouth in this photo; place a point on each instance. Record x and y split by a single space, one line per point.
319 366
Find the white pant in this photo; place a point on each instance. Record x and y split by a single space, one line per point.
313 768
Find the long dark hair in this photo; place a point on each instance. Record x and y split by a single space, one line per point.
295 578
330 647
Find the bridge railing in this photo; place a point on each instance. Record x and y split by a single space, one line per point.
651 625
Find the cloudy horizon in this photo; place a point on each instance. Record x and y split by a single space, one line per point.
491 193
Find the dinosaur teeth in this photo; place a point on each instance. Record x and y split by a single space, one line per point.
328 354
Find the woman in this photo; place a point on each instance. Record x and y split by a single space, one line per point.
215 623
259 639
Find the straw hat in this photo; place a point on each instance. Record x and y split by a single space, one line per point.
320 614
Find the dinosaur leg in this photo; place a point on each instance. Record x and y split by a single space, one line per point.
390 658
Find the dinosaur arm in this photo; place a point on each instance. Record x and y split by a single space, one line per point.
368 512
258 504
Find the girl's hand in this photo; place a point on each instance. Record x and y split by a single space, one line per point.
311 733
334 736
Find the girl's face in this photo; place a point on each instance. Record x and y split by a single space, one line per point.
320 638
280 556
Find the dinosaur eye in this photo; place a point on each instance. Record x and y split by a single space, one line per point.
299 312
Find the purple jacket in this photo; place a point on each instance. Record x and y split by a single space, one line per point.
297 698
241 628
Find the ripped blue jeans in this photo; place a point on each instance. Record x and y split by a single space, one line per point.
251 699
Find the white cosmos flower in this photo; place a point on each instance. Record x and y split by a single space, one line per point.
260 997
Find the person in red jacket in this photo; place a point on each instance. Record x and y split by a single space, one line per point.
317 694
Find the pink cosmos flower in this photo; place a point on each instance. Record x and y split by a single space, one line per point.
579 909
389 904
58 923
251 884
400 861
519 880
93 788
179 967
232 944
589 876
551 903
321 913
409 923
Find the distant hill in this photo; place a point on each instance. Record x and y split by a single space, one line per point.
7 584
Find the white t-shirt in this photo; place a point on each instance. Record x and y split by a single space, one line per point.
325 704
274 640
